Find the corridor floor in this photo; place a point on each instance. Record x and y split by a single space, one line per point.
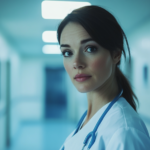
48 135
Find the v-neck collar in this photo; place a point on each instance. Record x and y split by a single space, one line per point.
95 116
89 126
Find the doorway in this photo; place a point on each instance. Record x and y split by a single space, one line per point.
55 94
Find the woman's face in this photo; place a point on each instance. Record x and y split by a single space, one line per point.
82 56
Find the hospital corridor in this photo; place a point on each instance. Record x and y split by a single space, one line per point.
39 104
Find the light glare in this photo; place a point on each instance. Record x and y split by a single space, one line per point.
145 43
59 9
51 49
49 36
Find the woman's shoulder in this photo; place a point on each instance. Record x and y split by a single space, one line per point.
123 124
126 117
128 138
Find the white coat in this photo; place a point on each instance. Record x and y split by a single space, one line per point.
121 129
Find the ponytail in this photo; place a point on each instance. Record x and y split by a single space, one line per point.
128 93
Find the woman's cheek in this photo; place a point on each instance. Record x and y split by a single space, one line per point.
98 64
67 68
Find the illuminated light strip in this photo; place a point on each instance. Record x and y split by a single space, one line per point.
51 49
59 9
50 36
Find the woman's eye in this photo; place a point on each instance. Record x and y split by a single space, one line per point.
91 48
65 52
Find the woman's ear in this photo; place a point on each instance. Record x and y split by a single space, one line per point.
116 56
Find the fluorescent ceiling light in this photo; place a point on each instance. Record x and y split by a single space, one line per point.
59 9
49 36
51 49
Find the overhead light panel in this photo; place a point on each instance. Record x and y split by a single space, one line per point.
59 9
51 49
50 36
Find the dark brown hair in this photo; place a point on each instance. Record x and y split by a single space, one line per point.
106 31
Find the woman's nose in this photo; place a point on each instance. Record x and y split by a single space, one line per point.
78 65
78 62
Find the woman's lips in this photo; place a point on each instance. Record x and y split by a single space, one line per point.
80 79
81 75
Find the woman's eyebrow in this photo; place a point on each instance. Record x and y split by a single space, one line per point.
82 42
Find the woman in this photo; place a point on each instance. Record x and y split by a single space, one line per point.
91 41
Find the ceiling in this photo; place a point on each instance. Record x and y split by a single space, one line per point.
22 25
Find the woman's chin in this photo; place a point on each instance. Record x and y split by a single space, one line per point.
83 90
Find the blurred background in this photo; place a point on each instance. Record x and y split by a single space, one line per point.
39 106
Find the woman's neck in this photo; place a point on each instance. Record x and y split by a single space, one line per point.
100 97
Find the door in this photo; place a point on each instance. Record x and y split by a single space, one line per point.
55 94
